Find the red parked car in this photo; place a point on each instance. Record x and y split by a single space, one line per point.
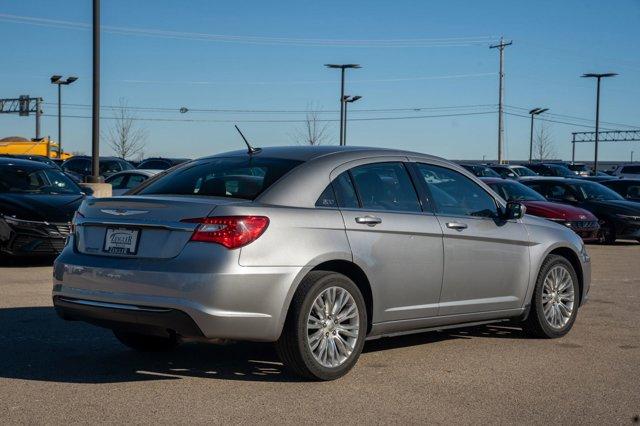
583 222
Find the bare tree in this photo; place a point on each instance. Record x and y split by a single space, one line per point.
313 131
124 136
543 144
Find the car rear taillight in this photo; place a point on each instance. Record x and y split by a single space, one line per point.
77 215
230 231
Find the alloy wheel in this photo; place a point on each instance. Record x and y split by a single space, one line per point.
558 297
333 325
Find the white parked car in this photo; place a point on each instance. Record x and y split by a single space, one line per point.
122 182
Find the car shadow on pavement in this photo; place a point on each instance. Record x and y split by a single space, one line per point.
21 262
37 345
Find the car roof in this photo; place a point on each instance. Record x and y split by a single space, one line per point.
551 179
166 159
495 180
308 153
89 157
147 172
623 180
8 161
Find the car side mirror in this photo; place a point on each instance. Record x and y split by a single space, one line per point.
87 191
514 210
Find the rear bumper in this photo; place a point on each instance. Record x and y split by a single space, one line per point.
221 298
141 319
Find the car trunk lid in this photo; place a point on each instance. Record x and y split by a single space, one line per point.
141 226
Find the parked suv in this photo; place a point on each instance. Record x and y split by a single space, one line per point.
316 249
550 169
81 165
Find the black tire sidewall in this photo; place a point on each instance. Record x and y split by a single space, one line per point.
330 280
548 330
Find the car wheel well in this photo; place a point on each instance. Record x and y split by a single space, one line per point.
355 274
572 257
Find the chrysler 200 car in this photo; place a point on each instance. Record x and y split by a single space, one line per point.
316 249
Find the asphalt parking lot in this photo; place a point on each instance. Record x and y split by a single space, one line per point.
58 372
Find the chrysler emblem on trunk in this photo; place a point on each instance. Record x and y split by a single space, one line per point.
123 212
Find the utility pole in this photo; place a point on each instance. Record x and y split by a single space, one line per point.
500 46
632 156
95 116
598 77
573 148
342 68
38 114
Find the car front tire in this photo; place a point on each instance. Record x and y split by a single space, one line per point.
555 300
325 328
147 343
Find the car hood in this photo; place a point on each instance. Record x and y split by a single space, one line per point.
40 207
615 206
551 210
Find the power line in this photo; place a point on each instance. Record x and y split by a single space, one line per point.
226 38
194 120
575 118
553 121
274 111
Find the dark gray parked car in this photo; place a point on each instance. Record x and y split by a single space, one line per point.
316 249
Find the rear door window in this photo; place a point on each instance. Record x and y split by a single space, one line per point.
385 186
241 177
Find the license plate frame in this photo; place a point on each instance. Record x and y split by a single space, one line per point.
121 240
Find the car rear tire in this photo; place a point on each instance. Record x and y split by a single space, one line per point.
325 327
147 343
607 234
554 305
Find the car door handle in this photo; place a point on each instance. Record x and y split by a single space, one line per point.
458 226
368 220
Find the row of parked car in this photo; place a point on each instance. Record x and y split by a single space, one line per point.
38 197
597 206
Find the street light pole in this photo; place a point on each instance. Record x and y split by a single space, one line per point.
342 68
95 116
347 100
597 76
57 79
533 113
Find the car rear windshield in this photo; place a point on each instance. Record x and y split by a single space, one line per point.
244 178
524 171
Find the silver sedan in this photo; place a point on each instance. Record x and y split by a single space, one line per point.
315 249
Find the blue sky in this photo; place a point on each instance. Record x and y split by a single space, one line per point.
450 70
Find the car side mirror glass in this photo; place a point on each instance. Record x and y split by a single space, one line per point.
514 210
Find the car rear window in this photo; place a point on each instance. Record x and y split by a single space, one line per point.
244 178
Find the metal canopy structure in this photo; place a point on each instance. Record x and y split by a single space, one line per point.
606 136
24 105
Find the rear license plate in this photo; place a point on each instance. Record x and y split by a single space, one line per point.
121 241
